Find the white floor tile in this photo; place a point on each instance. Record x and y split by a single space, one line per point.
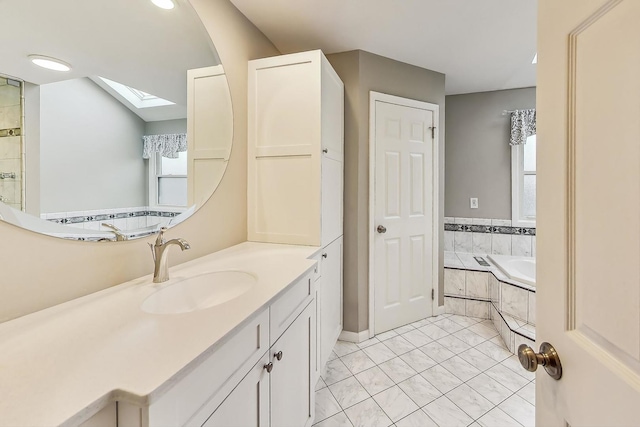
479 360
448 325
326 405
368 414
357 362
453 344
489 388
336 371
436 351
416 338
397 369
420 390
433 331
528 393
379 353
417 419
463 358
507 377
395 403
497 418
368 343
519 409
418 360
386 335
343 348
338 420
441 379
461 369
320 384
402 329
374 380
445 413
494 351
399 345
348 392
469 337
464 320
470 401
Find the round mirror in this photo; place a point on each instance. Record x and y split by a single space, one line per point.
115 117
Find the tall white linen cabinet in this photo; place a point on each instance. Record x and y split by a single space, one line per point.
296 172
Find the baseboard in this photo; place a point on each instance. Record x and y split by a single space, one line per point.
354 336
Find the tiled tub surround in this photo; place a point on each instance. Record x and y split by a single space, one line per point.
471 289
123 218
442 371
488 236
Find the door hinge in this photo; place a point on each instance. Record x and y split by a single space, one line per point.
433 132
433 294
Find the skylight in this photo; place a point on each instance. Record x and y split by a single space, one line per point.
136 97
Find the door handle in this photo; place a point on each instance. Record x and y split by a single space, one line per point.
381 229
548 357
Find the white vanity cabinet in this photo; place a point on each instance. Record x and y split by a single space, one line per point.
296 171
262 375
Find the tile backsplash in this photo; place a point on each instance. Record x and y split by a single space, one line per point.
488 236
124 218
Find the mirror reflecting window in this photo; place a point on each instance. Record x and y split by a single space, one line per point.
106 143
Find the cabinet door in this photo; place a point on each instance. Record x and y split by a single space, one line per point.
292 378
248 403
331 295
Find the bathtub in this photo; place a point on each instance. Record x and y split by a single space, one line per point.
522 269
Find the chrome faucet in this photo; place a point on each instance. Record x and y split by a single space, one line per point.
159 251
120 236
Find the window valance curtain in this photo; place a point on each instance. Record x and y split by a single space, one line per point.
168 145
523 125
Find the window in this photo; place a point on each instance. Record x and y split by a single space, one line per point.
523 184
168 181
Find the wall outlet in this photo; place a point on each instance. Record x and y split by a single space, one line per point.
473 203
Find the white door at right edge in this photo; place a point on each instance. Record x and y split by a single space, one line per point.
403 207
588 211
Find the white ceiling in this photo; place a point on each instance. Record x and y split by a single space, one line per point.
132 42
480 45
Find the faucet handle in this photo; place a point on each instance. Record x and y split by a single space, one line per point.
160 238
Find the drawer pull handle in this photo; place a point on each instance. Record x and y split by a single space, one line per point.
278 355
268 367
324 255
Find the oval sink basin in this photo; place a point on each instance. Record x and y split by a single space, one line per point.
199 292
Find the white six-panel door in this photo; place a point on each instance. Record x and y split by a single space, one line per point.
588 287
404 236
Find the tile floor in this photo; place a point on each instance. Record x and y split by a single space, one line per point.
442 371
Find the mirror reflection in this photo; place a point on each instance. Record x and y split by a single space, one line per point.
98 132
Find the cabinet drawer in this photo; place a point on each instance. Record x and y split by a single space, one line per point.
289 305
204 388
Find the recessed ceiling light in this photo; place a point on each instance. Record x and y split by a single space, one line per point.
49 63
164 4
535 59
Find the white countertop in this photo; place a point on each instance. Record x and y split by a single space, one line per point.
61 365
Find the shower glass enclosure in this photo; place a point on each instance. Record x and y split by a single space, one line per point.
11 144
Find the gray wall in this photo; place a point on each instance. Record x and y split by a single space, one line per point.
166 127
362 72
478 155
91 150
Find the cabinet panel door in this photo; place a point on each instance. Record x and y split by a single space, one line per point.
332 200
331 294
248 403
292 378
